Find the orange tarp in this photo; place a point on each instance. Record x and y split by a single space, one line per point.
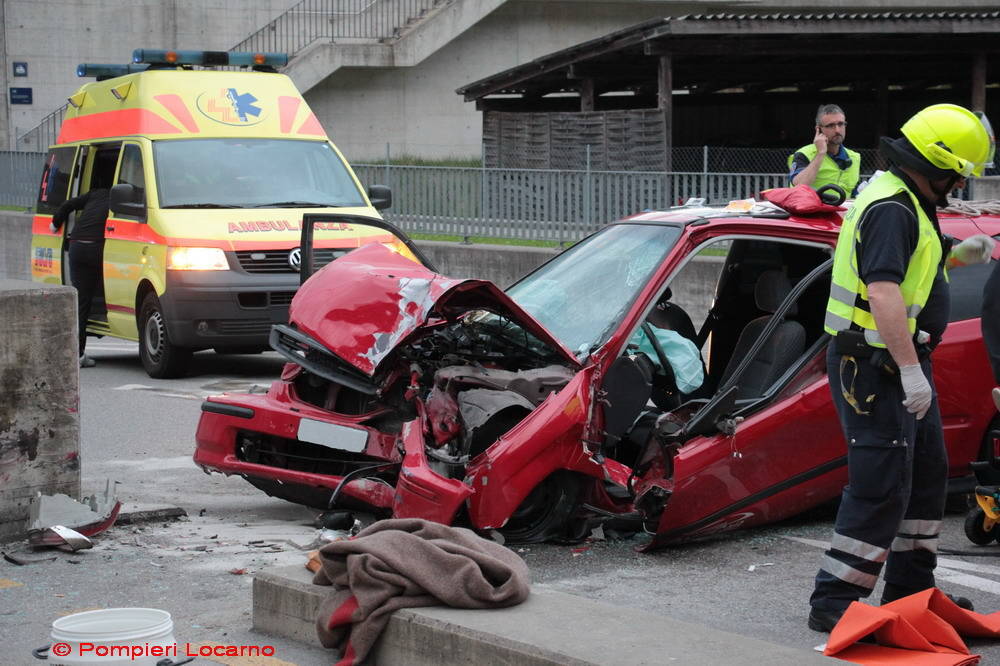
923 629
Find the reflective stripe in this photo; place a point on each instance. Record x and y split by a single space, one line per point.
872 337
842 294
901 544
835 322
858 548
921 527
848 574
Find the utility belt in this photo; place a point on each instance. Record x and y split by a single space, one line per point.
852 342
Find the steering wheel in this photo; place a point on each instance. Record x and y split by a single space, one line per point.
832 194
668 382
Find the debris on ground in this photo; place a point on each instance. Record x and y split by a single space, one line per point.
22 561
753 567
85 518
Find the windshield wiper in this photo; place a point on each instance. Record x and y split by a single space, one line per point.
297 204
201 205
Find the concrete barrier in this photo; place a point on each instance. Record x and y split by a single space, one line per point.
550 628
39 398
15 245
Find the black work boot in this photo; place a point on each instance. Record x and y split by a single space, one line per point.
893 592
824 620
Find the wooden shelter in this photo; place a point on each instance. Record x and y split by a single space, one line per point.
751 80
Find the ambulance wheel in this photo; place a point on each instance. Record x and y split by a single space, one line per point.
161 358
974 528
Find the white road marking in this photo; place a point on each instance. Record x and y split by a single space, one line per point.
177 462
944 571
200 392
967 580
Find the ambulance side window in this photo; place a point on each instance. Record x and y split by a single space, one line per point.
130 172
55 184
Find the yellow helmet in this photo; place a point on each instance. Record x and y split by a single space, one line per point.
952 138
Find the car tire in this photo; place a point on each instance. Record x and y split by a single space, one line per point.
160 357
974 528
545 513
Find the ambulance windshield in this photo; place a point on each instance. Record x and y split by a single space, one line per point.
252 173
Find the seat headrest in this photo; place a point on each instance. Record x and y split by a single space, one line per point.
771 289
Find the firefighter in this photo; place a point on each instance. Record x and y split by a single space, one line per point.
991 326
887 310
826 160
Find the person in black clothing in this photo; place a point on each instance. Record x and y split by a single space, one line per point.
991 325
86 253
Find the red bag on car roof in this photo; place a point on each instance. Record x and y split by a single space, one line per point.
799 200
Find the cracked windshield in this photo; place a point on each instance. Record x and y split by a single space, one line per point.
582 295
252 173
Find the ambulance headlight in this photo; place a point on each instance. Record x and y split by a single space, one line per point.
196 259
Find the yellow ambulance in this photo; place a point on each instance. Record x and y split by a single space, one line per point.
212 171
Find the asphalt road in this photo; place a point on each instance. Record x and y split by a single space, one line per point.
140 432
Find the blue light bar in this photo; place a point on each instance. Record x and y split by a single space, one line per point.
160 57
107 71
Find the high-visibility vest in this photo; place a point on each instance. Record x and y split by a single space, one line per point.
848 302
830 171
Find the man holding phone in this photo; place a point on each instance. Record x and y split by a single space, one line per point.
826 160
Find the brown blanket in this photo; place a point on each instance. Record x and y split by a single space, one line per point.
407 563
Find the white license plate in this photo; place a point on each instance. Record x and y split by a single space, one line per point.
330 435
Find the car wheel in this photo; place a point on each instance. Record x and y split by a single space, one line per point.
160 357
545 512
974 528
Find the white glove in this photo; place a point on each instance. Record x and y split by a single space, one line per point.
917 390
973 250
52 228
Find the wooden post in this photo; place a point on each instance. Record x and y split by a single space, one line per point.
979 82
881 109
587 95
665 102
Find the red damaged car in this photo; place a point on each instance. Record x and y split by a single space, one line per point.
553 406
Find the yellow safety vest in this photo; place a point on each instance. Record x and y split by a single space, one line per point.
830 171
848 302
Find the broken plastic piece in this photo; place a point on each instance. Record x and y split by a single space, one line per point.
67 537
85 518
22 561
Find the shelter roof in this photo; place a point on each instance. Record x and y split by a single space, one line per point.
762 52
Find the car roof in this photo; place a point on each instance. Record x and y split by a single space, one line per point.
772 217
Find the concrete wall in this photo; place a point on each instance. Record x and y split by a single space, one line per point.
39 398
415 109
53 36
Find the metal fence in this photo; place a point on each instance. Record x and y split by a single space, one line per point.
19 174
542 204
537 204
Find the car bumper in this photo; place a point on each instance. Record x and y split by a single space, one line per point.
230 425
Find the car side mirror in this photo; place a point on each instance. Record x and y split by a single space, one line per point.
380 196
126 199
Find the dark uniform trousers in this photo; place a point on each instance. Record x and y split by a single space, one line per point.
86 268
892 507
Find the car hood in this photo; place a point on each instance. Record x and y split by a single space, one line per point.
364 305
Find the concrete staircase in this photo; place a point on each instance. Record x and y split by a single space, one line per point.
409 44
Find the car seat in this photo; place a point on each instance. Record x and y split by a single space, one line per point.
673 317
781 349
